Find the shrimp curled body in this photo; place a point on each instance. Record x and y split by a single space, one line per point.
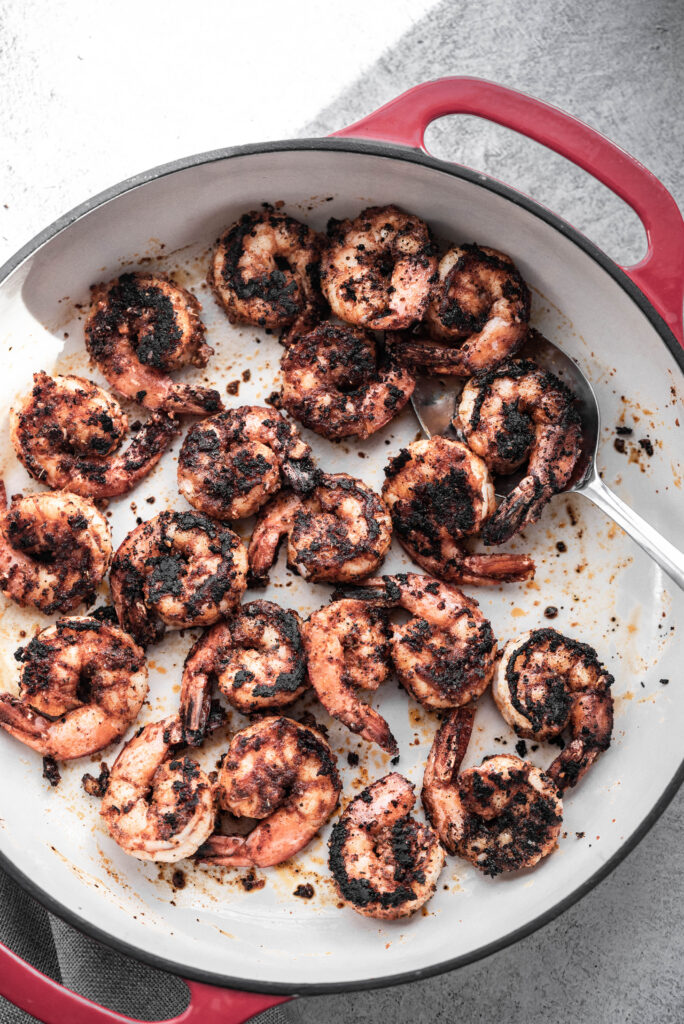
438 493
82 683
477 315
547 682
346 645
377 269
280 772
158 806
504 815
340 532
334 383
55 549
257 658
179 569
520 412
264 271
445 654
67 432
141 327
385 864
229 465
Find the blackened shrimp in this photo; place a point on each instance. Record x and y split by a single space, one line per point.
385 864
546 683
55 549
478 314
438 493
481 302
139 329
68 431
158 805
82 683
504 815
179 569
445 654
256 658
335 383
347 650
280 772
264 271
231 464
339 533
520 412
377 270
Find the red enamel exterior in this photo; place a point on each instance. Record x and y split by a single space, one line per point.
51 1003
660 276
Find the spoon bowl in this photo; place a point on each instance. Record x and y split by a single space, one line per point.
435 403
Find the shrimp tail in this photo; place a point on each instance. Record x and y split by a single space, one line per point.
268 844
149 442
195 696
377 590
187 398
372 727
481 570
273 525
147 446
522 507
22 721
592 718
226 852
449 748
25 724
302 475
569 767
441 770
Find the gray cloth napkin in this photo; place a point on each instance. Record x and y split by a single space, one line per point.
87 967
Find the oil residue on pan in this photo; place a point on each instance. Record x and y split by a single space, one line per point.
582 565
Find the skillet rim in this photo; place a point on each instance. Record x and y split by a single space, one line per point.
415 156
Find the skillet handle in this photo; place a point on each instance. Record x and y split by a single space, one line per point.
660 274
51 1003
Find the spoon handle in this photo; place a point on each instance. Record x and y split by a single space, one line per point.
668 557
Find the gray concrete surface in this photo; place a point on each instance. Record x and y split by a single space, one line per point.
616 956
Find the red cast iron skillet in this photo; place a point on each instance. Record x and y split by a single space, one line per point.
656 284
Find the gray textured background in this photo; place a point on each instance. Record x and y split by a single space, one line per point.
617 955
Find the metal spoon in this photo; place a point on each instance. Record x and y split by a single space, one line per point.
435 403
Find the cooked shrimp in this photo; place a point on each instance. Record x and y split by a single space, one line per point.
504 815
67 432
439 492
264 271
520 412
347 650
477 315
231 464
55 549
280 772
82 683
445 654
334 383
257 659
141 327
384 863
546 683
339 533
158 806
377 269
179 569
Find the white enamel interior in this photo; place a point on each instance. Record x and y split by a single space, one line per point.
608 593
